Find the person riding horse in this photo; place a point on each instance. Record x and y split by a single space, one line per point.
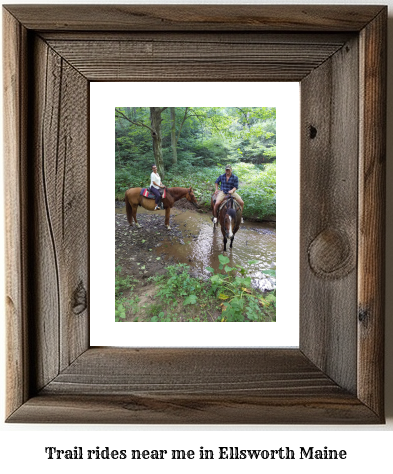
155 185
229 185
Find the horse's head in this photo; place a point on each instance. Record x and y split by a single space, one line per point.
229 223
191 197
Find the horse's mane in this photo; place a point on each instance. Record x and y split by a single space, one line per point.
230 209
177 189
178 192
231 212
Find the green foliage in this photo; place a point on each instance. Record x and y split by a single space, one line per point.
259 192
161 318
241 303
130 177
192 299
209 138
231 290
121 283
179 284
257 184
178 295
205 134
120 312
123 300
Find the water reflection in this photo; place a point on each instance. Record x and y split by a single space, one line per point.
253 241
201 246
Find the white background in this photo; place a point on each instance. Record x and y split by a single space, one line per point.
368 447
104 97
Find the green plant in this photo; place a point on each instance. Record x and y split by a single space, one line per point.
240 302
154 309
121 283
180 294
257 183
161 318
120 312
183 297
179 284
124 285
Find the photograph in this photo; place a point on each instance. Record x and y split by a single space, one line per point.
195 214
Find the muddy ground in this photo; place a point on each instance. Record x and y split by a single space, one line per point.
135 246
138 251
147 251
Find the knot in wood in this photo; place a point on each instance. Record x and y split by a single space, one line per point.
363 316
330 254
80 299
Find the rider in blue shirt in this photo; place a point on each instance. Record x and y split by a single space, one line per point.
229 185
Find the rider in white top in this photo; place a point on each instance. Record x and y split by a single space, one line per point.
155 180
155 185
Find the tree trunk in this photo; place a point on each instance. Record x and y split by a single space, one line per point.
173 135
155 119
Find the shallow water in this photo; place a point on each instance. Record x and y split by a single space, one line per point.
201 246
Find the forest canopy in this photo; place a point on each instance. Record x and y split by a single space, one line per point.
191 145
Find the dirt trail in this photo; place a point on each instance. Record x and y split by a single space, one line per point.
147 251
134 246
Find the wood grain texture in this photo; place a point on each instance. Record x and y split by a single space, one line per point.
60 115
52 374
188 60
194 409
200 37
195 17
329 169
207 371
14 71
196 385
371 260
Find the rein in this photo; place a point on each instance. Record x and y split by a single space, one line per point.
225 203
176 195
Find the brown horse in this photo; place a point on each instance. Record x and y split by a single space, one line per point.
134 199
229 215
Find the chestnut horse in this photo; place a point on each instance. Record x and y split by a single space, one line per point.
229 216
134 199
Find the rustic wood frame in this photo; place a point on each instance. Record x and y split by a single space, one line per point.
338 53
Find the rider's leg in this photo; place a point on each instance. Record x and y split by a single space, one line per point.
241 203
156 193
239 200
220 198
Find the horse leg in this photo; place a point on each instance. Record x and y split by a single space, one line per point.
232 241
225 244
167 214
129 211
134 210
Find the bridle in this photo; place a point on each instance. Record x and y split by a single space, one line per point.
188 195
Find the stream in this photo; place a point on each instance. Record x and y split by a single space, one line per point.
200 245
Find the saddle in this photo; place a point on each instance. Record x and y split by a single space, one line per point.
146 192
236 205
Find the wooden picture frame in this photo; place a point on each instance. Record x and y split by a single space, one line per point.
338 54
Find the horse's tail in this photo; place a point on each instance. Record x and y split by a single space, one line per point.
128 210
